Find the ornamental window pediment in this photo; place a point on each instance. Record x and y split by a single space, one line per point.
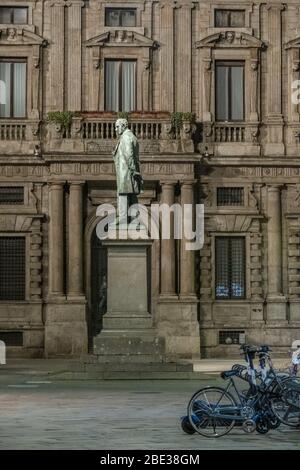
230 39
121 37
20 37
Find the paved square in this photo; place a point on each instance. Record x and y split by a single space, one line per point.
38 413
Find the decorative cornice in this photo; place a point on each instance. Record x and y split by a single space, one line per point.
21 36
121 38
230 39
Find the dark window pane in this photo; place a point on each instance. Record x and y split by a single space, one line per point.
230 268
13 89
5 84
237 93
229 91
112 85
12 268
19 108
11 195
120 17
222 18
112 17
20 15
222 95
5 15
237 19
229 18
128 86
120 85
128 18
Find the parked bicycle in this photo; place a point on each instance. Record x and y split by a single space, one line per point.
270 399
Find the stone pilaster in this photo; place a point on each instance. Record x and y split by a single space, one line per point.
274 119
74 55
167 275
56 239
57 55
187 257
276 309
36 260
254 86
167 55
184 58
75 262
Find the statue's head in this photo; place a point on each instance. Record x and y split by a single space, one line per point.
121 126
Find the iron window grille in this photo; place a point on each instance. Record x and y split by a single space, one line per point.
230 196
232 337
12 338
11 195
230 268
12 268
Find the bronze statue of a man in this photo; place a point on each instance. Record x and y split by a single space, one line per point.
129 179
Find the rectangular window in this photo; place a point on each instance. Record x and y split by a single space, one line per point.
124 17
11 195
120 85
230 196
229 18
230 267
230 91
13 15
13 88
12 268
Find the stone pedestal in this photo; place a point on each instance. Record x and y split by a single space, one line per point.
66 328
128 334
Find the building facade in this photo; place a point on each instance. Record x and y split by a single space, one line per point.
208 88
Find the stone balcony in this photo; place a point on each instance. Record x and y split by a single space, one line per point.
220 137
18 136
94 135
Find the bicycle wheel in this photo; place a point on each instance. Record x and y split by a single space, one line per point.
207 408
286 405
186 426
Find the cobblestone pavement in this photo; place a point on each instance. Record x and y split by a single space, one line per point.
112 415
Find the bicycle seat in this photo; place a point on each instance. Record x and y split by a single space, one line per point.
229 373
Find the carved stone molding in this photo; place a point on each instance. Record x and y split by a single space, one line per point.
230 39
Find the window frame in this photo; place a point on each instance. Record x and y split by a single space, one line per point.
107 9
247 287
248 8
16 60
120 82
12 13
230 64
229 10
